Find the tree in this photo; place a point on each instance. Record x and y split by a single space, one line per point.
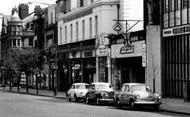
26 60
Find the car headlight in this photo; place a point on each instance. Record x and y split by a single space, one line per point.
138 97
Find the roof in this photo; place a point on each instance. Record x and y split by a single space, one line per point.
15 17
80 84
134 84
29 18
101 83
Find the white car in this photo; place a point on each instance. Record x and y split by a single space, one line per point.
77 91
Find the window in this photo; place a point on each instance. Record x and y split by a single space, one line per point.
96 25
51 20
18 42
184 3
60 33
179 5
65 34
81 3
71 27
83 29
90 27
77 30
30 42
127 88
165 6
14 42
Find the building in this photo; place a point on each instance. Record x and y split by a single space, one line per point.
50 45
82 25
175 47
23 11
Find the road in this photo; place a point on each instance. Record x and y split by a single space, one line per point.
21 105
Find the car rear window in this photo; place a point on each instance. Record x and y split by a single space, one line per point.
81 86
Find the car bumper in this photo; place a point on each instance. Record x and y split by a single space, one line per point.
106 100
148 102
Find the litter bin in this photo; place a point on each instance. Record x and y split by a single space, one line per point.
186 90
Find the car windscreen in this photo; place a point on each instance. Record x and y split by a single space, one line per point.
81 86
140 88
101 87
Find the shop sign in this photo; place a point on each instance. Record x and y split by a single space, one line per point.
122 51
176 31
102 51
127 48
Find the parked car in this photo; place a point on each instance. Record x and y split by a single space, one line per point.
100 92
136 94
77 91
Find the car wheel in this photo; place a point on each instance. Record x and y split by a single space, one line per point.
98 102
132 105
118 103
75 98
69 97
87 100
156 107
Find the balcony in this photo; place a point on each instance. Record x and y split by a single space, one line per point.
28 33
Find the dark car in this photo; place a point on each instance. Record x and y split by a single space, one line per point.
100 93
137 94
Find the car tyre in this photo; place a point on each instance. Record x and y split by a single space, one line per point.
87 101
118 103
75 98
132 105
156 107
69 97
98 102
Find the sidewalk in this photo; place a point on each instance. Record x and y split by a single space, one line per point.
168 105
31 91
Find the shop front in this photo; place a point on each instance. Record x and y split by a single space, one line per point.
127 63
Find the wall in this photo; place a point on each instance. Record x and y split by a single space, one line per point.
153 57
106 14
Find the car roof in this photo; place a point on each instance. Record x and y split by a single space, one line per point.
80 84
101 83
134 84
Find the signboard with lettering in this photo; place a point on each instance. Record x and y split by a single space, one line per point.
121 51
176 31
102 42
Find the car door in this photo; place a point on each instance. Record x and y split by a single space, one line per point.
125 94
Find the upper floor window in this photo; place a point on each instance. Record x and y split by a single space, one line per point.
90 27
60 33
83 29
81 2
71 27
65 34
14 42
185 3
165 6
51 21
77 30
30 42
96 25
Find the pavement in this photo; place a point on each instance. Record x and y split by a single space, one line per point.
168 104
